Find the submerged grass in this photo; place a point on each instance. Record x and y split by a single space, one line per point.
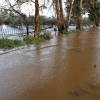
47 35
68 32
31 40
9 44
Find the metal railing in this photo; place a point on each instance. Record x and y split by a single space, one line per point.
6 31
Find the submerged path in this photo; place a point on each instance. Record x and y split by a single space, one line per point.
67 67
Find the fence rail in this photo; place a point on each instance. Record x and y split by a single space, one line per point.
12 31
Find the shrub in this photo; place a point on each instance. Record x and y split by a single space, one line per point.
18 43
32 40
66 32
46 34
1 20
7 20
9 44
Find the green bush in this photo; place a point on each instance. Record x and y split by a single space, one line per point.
9 44
7 20
1 20
46 34
32 40
66 32
18 43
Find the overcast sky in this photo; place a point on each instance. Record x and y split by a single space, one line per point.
30 9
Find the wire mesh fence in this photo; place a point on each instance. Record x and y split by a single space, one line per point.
18 32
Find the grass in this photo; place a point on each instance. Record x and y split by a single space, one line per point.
46 35
31 40
9 44
68 32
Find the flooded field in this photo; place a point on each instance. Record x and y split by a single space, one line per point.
67 67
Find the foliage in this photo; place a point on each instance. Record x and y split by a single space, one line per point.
86 21
9 44
64 32
12 20
94 12
16 21
32 40
31 20
67 32
76 9
1 20
48 20
46 34
7 20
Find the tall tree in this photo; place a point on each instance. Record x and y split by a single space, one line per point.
69 14
59 12
36 18
77 13
79 17
61 16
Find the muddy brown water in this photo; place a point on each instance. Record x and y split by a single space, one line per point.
67 67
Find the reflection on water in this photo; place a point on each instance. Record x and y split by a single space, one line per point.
66 67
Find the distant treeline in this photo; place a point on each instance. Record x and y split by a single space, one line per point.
9 20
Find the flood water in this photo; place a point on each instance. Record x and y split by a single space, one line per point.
67 67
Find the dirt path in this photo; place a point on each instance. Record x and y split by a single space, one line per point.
67 67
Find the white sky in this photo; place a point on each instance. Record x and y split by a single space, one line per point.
30 9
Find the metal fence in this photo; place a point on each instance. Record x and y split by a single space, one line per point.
19 32
8 31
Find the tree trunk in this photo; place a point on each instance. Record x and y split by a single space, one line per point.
27 26
36 19
69 14
78 24
61 15
59 12
79 18
27 30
